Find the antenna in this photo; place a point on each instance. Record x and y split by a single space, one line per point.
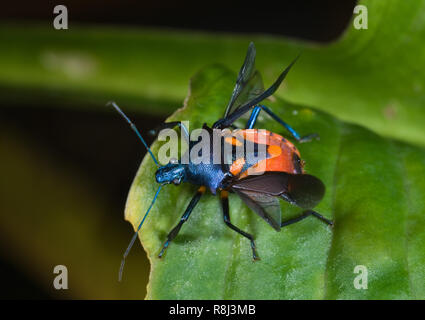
133 127
127 251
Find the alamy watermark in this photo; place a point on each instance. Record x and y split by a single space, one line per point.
60 282
214 146
60 21
361 19
360 281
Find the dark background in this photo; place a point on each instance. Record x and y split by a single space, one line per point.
68 134
314 20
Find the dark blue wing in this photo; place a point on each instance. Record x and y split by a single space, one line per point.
302 190
249 84
266 206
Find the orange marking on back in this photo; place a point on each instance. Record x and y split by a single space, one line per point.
233 141
237 166
274 150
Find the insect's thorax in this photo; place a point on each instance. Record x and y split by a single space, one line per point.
242 153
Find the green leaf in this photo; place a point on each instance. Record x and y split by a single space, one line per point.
374 195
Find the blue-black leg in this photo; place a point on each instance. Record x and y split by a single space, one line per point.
170 125
173 233
224 196
304 215
254 116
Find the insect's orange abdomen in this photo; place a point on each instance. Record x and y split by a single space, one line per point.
282 155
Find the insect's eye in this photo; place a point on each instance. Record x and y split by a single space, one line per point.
176 181
174 161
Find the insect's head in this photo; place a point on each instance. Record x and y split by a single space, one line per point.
173 172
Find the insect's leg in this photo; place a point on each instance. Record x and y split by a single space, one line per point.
253 117
304 215
288 127
173 233
170 125
224 196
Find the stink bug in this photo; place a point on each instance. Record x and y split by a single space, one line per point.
281 175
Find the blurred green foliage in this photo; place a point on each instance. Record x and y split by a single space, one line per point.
372 77
50 214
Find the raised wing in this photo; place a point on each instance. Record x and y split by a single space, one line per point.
302 190
249 84
249 90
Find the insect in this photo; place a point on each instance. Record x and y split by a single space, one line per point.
281 175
